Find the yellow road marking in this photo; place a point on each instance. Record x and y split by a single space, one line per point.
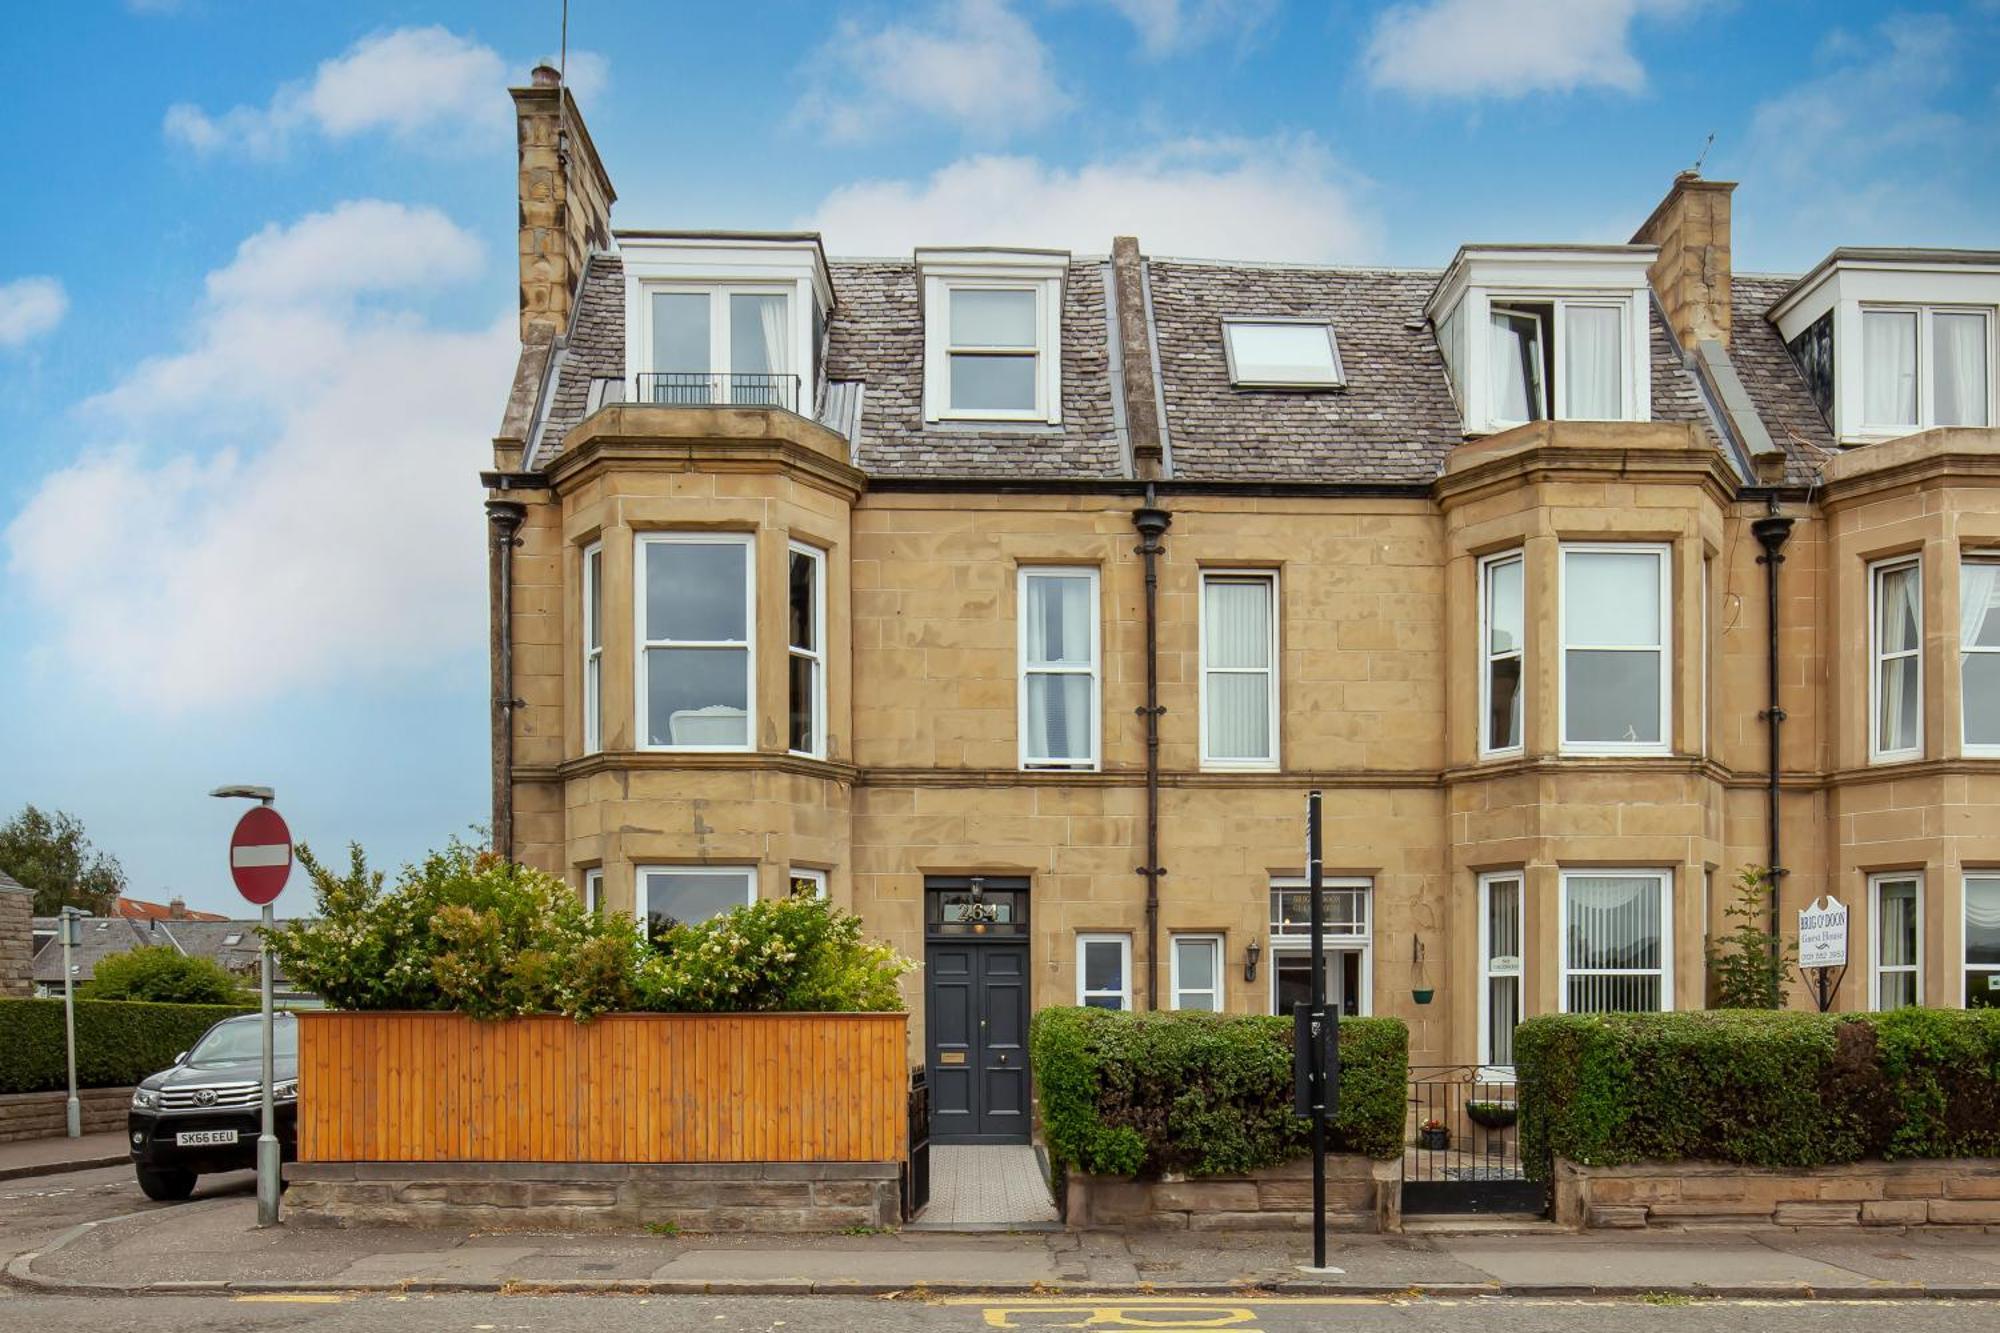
1145 1302
292 1298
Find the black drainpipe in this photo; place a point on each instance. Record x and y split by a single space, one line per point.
504 518
1152 523
1772 532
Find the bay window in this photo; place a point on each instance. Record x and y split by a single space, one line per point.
1896 620
695 610
1104 971
1499 966
593 648
688 895
1617 941
1979 653
1616 675
1197 972
1895 938
718 345
1982 941
1239 670
1059 668
1501 623
806 653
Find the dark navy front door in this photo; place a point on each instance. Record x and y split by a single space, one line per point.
976 1016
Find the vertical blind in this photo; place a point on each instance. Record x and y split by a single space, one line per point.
1238 667
1613 960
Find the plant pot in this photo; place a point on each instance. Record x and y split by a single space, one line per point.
1492 1115
1423 994
1436 1140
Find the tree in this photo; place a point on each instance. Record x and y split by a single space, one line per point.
163 973
50 854
1750 966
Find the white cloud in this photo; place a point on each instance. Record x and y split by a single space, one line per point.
1169 26
1239 199
30 307
1509 48
426 85
307 471
975 63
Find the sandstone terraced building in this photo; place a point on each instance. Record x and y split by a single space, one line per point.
1015 598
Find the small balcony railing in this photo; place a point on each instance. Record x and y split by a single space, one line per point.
702 388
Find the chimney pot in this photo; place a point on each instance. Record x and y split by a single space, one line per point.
546 76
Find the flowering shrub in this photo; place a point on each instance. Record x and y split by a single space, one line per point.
790 955
462 930
466 930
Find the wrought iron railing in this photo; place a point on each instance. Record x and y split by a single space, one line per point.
702 388
1464 1147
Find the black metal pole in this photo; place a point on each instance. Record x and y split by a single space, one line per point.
1314 877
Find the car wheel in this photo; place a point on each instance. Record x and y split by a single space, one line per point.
166 1186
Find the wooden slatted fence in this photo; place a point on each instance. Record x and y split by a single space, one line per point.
441 1087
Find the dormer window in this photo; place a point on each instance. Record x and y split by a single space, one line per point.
992 334
1895 341
1546 334
1281 353
1922 367
724 320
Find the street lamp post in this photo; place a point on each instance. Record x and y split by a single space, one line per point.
269 1151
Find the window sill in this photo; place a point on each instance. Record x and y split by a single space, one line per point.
1241 766
1573 751
1889 758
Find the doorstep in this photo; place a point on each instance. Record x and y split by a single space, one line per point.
1481 1224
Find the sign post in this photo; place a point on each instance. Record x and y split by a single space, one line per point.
1316 1039
71 926
1823 946
260 861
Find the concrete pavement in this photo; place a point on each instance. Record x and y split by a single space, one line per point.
212 1245
47 1157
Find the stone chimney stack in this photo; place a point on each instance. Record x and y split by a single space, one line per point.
1691 227
565 200
177 908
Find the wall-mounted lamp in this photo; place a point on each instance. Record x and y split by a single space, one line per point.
1251 953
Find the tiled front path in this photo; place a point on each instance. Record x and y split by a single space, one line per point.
987 1186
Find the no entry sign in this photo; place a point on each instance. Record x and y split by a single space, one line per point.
260 855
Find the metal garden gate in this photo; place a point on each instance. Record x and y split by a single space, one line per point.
1464 1149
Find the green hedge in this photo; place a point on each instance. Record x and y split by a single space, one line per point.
117 1041
1761 1089
1205 1094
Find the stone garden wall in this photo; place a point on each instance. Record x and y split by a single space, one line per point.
1962 1192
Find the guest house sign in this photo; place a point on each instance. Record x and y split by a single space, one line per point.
1823 934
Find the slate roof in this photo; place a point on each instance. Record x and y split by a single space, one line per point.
1393 422
1772 379
594 348
877 336
107 935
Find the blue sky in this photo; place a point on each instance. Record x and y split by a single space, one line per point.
257 290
